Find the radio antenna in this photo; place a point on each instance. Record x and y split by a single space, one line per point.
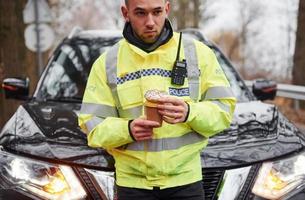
179 45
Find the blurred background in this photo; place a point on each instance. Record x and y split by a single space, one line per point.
263 39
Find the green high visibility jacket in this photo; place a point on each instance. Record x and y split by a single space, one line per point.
115 94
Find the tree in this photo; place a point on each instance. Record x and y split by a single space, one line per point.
12 55
298 72
249 13
89 14
186 13
15 59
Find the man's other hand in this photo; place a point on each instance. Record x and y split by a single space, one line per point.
142 129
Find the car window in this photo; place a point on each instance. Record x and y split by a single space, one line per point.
68 71
62 78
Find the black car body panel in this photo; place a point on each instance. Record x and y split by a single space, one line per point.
258 132
49 129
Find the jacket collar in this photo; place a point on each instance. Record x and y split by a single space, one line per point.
165 36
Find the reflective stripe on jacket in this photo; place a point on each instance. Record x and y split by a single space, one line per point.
115 94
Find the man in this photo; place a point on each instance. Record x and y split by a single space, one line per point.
155 162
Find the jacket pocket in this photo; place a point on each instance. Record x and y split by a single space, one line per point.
130 96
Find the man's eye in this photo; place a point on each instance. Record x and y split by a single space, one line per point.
140 13
157 12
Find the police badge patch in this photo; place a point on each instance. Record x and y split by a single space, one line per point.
179 92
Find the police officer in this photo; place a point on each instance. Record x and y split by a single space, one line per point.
155 162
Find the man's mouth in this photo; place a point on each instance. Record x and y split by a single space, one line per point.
150 32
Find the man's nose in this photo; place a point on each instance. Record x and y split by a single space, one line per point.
150 22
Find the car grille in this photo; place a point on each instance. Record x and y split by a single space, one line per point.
88 184
245 193
211 182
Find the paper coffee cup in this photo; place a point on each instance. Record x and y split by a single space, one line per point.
152 113
151 110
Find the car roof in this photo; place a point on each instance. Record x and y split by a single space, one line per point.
89 34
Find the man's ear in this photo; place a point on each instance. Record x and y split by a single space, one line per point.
167 8
124 11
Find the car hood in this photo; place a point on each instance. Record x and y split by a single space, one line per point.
50 130
258 132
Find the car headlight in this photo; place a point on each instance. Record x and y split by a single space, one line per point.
45 180
277 179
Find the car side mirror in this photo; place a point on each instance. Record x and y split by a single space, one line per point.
16 88
264 89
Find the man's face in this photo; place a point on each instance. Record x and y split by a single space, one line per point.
147 17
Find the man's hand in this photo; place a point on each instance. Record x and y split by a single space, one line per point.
172 109
142 129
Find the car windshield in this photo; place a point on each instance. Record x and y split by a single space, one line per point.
66 76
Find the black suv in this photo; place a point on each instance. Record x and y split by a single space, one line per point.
44 153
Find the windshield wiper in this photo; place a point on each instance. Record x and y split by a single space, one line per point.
65 99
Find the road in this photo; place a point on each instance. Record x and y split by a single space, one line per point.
301 127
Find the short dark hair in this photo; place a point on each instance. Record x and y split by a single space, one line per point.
126 2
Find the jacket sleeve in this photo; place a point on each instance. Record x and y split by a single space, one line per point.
98 115
213 113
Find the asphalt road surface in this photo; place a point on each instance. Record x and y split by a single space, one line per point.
301 127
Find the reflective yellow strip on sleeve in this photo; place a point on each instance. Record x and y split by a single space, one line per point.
131 113
217 93
99 110
222 105
164 144
92 123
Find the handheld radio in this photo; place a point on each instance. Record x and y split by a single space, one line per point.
179 71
